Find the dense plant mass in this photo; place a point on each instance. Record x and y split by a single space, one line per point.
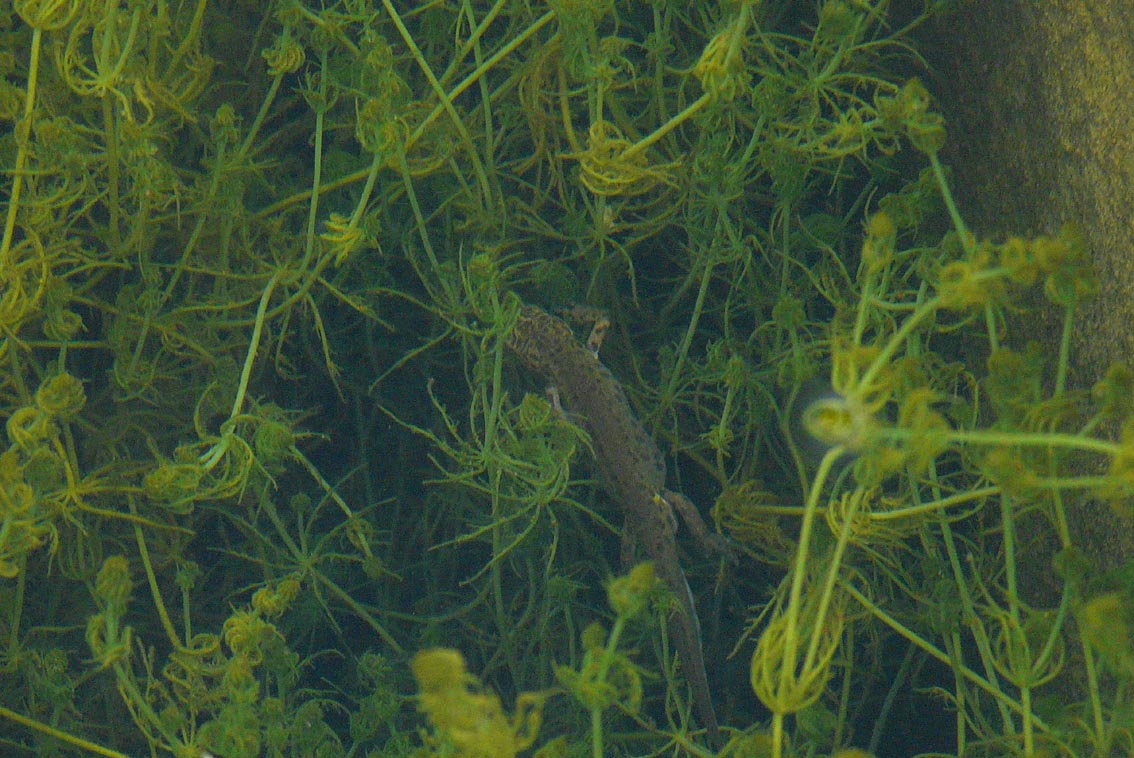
274 486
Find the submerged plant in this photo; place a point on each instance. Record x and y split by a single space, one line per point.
267 457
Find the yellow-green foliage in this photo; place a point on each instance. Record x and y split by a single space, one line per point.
264 442
467 719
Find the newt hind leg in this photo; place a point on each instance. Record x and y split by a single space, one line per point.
711 542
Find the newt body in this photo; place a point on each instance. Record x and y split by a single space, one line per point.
631 468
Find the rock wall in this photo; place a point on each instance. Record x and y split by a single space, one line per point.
1039 97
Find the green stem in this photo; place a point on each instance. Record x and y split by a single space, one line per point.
443 98
950 205
58 734
799 567
23 136
608 654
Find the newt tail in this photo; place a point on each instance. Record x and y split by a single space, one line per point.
632 469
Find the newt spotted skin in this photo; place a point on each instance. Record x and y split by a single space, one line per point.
632 469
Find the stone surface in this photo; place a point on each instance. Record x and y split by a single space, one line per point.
1039 99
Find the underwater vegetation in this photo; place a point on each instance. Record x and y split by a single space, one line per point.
273 483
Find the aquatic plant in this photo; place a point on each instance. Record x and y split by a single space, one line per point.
268 461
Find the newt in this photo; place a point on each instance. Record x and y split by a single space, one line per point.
632 470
